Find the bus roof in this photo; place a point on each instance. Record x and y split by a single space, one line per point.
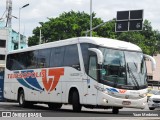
104 42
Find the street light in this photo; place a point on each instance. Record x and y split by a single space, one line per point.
19 25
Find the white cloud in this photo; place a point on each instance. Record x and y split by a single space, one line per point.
39 10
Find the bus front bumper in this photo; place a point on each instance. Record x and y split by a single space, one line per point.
107 100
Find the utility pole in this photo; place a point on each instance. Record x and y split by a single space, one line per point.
40 36
19 41
9 13
90 18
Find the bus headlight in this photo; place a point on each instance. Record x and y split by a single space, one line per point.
143 95
105 100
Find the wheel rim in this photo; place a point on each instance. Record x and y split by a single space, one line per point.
21 99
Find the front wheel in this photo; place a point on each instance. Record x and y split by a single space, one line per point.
151 108
75 102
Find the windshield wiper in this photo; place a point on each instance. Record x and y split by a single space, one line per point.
135 82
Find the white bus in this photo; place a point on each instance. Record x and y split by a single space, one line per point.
86 71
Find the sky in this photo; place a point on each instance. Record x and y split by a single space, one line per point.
40 10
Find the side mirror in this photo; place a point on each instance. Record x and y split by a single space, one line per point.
98 53
152 61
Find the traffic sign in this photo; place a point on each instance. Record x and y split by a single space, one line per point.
136 14
135 25
131 20
122 15
122 26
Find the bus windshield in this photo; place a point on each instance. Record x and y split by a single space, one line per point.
121 68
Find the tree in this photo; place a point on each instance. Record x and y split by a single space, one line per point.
147 39
75 24
67 25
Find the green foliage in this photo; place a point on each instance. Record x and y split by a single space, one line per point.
147 39
75 24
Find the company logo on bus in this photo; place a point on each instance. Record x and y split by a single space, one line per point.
28 78
113 90
51 79
122 91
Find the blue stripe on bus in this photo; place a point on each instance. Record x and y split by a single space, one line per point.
32 81
22 82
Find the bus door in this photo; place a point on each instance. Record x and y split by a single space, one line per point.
92 81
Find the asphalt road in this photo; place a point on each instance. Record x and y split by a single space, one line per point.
67 113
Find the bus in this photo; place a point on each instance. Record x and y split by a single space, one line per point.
88 72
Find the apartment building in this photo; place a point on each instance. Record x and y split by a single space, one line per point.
153 75
3 38
9 41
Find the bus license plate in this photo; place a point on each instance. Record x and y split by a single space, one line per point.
126 102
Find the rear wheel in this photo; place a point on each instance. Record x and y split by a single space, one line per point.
54 106
115 110
75 102
151 108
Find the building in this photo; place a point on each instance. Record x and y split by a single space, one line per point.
153 75
9 41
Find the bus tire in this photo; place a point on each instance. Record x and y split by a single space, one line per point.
54 106
21 99
151 108
75 102
115 110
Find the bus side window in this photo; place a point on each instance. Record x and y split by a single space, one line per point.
13 63
93 67
32 59
44 58
9 65
71 57
57 55
86 53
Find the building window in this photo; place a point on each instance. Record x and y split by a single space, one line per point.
150 77
2 43
15 46
2 57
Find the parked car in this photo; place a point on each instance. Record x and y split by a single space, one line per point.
154 101
151 92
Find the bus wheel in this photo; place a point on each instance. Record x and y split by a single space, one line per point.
21 99
151 108
115 110
75 102
54 106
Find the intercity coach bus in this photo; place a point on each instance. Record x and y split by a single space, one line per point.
86 71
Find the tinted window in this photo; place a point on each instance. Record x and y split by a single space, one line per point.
57 55
2 57
2 43
32 59
71 57
86 53
16 61
44 58
93 67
